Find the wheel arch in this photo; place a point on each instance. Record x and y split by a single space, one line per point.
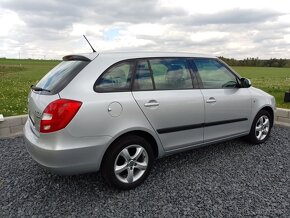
152 141
270 111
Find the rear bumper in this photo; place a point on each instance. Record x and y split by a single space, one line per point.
66 155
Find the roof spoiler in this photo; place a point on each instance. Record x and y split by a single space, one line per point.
75 58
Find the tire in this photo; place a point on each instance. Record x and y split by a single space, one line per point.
261 128
127 162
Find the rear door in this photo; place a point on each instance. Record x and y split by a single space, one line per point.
227 106
166 92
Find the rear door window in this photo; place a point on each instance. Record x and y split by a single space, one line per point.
56 79
162 74
143 78
171 73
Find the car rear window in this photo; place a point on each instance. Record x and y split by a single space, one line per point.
58 78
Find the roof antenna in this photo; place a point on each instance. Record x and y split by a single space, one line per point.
89 43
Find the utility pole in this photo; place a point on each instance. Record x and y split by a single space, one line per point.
19 58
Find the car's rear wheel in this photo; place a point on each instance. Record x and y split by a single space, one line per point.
127 163
261 128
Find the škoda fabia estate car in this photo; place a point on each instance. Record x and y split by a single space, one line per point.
117 112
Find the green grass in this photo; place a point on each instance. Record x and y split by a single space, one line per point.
16 76
275 81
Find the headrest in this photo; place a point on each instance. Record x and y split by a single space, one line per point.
174 68
118 73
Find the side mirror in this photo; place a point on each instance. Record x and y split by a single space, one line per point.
246 83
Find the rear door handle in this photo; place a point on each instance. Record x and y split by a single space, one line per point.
211 100
151 104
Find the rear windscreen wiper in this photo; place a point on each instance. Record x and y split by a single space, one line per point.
35 88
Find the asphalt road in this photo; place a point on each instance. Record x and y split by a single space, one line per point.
232 179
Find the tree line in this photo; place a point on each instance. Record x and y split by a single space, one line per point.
256 62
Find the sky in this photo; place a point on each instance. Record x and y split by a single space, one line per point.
238 29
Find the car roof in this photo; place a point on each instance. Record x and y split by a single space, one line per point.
131 55
153 54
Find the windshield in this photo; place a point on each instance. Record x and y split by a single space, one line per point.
56 79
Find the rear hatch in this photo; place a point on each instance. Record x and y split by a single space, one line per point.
47 89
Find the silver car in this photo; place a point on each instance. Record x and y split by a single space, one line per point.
117 112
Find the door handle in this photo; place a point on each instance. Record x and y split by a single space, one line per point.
211 100
151 104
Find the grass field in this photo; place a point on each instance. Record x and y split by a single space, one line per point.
275 81
16 77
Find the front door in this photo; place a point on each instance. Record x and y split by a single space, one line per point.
227 106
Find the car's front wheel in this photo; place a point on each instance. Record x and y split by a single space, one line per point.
127 162
261 128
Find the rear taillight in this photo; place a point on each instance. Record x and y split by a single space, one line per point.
58 114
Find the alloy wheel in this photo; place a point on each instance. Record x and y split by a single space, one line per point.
131 163
262 127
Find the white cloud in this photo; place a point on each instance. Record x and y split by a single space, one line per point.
148 29
229 28
8 21
207 36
